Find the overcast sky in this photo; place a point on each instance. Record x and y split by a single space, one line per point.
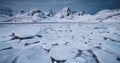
90 6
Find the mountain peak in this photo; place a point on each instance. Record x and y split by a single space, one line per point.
64 12
50 13
34 11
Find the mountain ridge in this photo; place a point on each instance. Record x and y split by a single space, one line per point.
65 15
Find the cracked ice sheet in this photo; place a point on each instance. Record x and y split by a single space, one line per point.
59 34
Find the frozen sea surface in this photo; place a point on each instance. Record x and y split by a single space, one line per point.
60 43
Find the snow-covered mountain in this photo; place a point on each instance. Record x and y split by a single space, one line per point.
6 11
30 16
108 15
50 13
4 18
80 13
5 14
64 15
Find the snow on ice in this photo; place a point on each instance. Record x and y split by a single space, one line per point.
60 43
